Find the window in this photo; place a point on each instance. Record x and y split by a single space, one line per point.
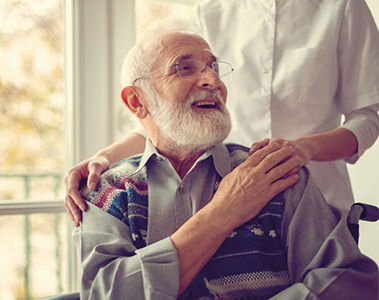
32 101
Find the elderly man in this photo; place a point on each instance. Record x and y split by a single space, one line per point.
191 218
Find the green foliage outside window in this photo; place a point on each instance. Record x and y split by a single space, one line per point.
31 88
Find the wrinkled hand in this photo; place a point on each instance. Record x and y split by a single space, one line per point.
302 150
248 188
91 168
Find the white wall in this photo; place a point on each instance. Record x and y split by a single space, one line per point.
365 180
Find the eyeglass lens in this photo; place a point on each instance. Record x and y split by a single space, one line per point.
189 67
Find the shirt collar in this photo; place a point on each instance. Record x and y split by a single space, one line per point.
219 153
221 159
149 152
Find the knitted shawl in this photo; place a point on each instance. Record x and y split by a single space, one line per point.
250 264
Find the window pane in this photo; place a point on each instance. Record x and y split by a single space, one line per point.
31 186
33 255
32 100
31 93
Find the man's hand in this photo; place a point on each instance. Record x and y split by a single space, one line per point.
301 149
91 168
248 188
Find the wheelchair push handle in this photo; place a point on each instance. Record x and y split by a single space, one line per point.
368 212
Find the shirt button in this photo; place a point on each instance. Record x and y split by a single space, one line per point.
181 189
266 70
265 91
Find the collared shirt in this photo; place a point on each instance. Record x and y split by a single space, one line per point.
299 65
182 198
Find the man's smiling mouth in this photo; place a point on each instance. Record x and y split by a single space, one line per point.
206 104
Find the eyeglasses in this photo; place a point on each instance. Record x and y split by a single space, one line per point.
195 68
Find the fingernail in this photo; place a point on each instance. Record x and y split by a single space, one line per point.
92 186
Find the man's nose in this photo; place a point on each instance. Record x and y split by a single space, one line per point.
209 79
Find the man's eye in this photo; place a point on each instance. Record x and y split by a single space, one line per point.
186 68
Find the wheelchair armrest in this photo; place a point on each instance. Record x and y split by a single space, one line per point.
368 212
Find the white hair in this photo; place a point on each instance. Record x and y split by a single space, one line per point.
139 59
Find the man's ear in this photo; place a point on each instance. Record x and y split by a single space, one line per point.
133 100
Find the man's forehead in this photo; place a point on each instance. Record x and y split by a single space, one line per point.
182 36
181 45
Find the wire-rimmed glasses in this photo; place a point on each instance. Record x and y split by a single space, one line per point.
195 68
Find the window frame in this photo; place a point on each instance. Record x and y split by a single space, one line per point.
95 46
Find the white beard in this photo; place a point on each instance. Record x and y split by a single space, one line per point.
187 128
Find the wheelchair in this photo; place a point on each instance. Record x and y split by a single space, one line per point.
358 211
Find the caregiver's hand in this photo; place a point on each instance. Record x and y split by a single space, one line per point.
91 168
301 150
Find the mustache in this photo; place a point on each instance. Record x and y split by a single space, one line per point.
203 94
